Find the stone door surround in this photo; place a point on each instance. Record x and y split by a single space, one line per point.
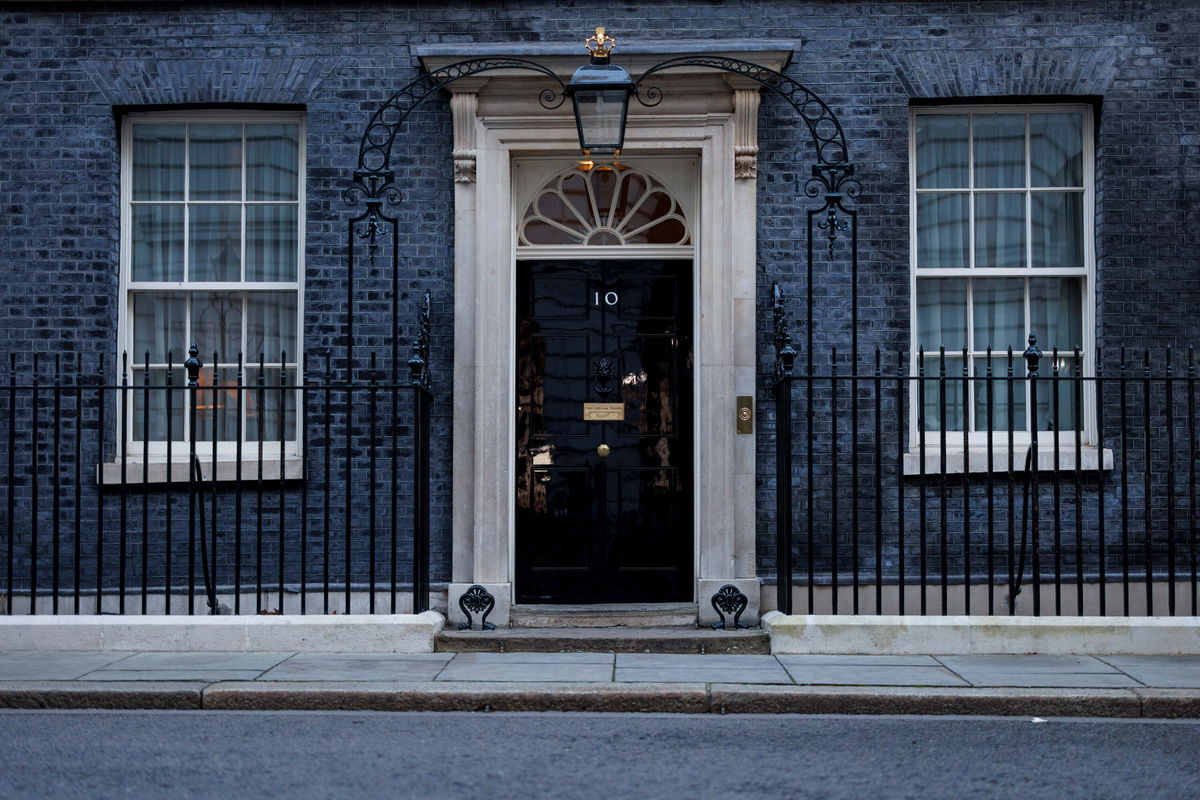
496 118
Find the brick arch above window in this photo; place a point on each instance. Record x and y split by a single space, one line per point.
159 82
1006 71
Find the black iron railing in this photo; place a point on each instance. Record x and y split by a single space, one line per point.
233 488
914 484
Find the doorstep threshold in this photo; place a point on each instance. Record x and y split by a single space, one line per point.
568 608
666 639
604 615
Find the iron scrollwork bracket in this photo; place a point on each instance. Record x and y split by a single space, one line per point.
837 184
834 225
371 231
477 600
831 175
729 600
374 187
828 137
374 180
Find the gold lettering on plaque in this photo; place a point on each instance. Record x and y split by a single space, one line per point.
604 412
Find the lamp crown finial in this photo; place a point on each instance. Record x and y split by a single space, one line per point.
601 44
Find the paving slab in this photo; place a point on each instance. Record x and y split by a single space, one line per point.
1038 670
873 675
202 675
695 661
203 661
857 660
358 667
1164 675
1176 661
1027 663
526 672
532 658
52 665
684 668
1160 671
1082 680
756 675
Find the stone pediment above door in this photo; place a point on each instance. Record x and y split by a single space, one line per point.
635 55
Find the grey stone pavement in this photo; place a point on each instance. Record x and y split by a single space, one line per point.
1015 684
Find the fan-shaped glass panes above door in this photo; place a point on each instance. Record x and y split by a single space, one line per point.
603 207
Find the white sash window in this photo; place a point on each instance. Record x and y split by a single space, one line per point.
1001 247
212 253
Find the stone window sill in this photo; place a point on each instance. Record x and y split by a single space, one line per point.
1091 459
155 472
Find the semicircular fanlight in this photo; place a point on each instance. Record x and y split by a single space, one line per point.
603 207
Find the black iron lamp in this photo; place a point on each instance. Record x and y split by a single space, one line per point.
600 93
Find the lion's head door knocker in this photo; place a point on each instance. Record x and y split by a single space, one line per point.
603 372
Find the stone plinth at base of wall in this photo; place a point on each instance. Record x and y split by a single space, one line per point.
962 635
360 633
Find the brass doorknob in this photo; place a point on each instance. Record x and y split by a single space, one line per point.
603 450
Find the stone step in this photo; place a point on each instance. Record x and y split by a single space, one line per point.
659 615
679 639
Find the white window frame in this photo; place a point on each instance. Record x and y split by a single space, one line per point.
134 449
977 440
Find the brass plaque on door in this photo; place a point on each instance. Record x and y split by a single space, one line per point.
603 412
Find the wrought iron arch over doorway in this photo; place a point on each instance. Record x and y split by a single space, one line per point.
373 183
831 181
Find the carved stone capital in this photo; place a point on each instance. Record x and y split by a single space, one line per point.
745 162
745 132
464 166
463 106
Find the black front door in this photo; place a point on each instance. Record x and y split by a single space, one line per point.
604 431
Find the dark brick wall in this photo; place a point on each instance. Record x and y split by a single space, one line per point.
67 69
1134 62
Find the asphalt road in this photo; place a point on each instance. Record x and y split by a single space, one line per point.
99 754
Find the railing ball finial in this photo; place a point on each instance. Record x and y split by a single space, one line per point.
193 365
416 365
1032 355
418 362
785 352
